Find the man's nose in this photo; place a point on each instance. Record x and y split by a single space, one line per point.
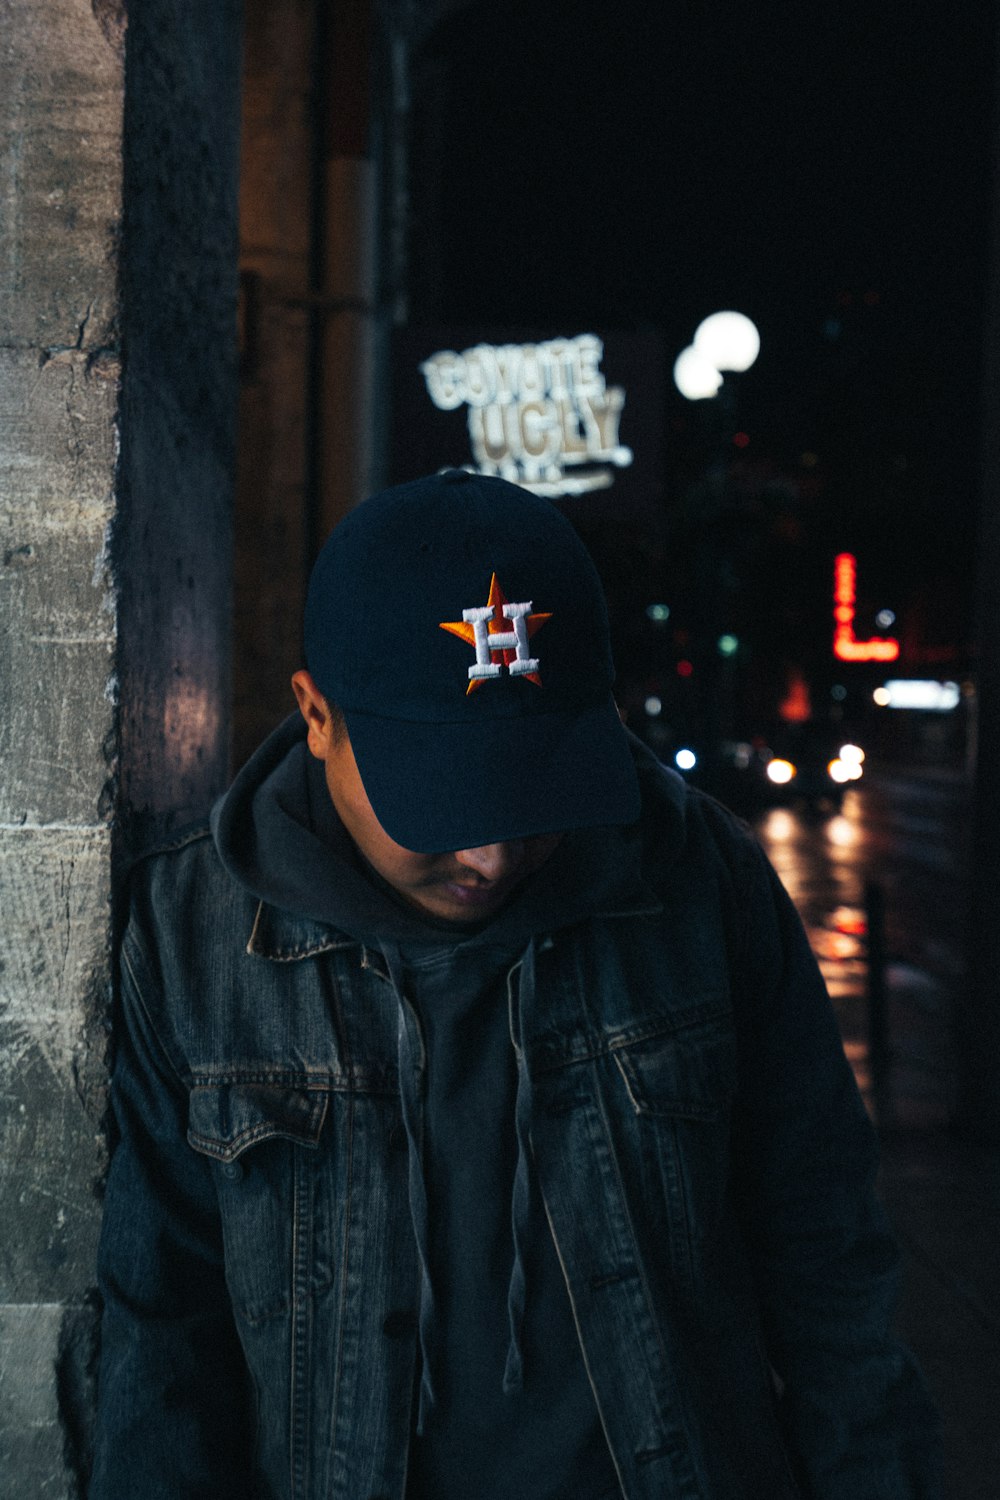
492 861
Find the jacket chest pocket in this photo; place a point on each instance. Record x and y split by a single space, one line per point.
264 1141
680 1086
684 1074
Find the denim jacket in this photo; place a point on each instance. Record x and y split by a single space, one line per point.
705 1162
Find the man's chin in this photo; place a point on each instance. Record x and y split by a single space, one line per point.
457 901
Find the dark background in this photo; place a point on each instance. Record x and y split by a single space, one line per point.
825 170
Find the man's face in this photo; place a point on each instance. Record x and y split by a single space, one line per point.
464 885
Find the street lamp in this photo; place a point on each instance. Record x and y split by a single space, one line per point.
729 339
723 341
695 376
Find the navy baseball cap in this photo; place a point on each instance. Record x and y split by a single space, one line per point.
459 624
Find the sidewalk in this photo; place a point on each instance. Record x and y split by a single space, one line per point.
943 1196
905 835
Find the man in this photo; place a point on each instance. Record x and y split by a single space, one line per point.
484 1129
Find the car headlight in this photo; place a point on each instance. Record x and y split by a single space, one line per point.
842 770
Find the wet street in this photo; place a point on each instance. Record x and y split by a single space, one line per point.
900 841
907 836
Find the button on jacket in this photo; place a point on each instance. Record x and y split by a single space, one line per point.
704 1159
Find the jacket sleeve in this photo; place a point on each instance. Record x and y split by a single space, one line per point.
172 1408
858 1419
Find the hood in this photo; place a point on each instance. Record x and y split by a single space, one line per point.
278 835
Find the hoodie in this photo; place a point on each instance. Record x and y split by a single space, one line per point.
504 1408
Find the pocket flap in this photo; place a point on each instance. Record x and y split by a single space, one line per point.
689 1074
224 1119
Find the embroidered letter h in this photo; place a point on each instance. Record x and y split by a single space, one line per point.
515 640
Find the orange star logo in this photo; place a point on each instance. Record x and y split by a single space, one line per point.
509 654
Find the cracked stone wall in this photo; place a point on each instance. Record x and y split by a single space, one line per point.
118 176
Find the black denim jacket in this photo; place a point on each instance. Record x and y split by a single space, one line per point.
705 1161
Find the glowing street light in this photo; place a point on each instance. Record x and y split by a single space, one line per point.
723 341
695 376
728 340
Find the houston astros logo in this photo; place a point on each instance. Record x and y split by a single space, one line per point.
500 632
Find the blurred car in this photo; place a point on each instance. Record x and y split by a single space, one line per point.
800 765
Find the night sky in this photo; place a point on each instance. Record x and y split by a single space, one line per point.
824 169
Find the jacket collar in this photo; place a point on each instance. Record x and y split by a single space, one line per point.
284 937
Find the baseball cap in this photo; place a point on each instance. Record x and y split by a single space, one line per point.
459 624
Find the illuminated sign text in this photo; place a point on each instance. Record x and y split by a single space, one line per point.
845 644
535 411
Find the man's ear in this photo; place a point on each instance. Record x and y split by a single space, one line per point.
312 707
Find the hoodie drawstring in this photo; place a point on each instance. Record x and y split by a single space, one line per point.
410 1058
521 991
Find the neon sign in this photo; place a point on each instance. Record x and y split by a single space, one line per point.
846 646
535 411
933 697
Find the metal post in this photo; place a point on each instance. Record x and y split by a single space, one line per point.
878 1022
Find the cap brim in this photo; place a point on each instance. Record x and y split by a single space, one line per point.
435 787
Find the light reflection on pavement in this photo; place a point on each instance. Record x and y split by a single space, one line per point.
911 834
908 835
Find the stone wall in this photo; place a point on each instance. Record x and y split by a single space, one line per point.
61 90
115 490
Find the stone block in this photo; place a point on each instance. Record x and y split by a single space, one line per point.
59 448
61 94
54 894
31 1437
57 611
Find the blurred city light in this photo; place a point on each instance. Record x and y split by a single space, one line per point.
853 754
846 646
885 618
684 669
728 645
685 760
841 770
728 340
658 613
796 706
722 341
781 826
695 376
931 697
841 832
780 771
653 706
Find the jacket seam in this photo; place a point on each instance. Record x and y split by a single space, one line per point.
608 1047
180 1076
